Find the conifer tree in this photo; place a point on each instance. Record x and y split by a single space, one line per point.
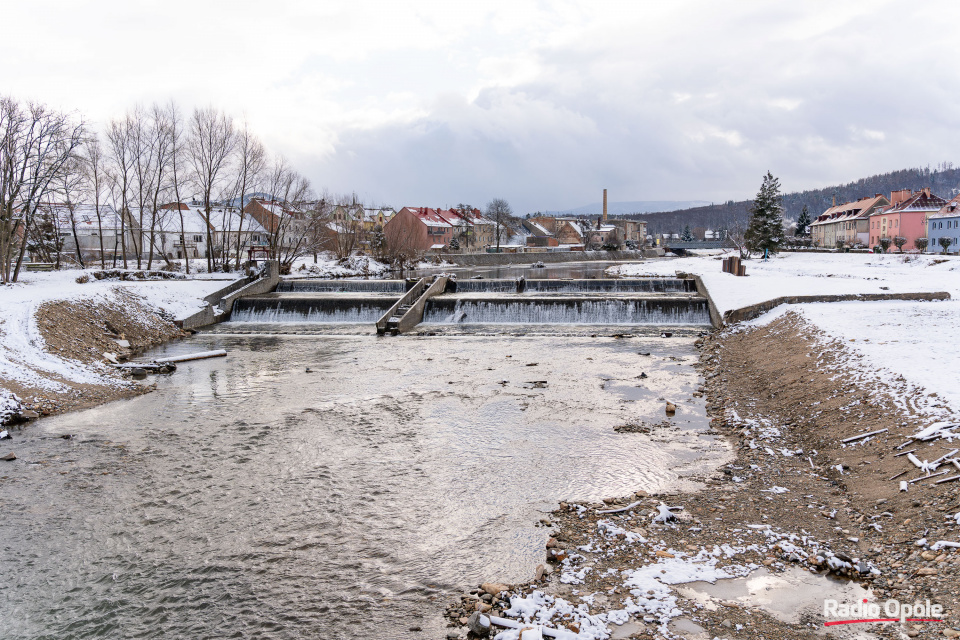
687 235
803 222
765 231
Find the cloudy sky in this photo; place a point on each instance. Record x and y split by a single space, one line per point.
541 103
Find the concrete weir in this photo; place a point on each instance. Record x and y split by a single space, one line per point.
397 306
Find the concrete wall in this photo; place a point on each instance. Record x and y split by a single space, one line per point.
494 259
220 303
756 310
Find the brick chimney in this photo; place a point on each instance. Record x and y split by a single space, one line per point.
604 205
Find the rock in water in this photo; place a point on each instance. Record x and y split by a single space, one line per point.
671 409
494 588
138 373
479 624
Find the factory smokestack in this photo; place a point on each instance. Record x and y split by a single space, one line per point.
604 205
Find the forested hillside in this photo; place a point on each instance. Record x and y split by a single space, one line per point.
943 180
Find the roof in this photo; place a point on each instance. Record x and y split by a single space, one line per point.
949 210
922 200
857 209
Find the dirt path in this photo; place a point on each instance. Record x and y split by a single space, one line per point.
796 501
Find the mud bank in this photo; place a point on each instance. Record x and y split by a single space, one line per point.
796 502
75 335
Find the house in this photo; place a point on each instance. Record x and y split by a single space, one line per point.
418 229
571 232
185 232
286 226
945 223
91 229
847 224
472 230
906 217
632 232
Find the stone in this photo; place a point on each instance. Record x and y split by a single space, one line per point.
110 357
539 572
479 624
9 457
28 414
494 588
671 408
926 571
727 624
664 554
123 344
138 373
453 635
951 633
551 543
928 555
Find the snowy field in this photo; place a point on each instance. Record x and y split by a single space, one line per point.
897 338
20 340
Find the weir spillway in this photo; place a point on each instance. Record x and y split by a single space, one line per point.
639 301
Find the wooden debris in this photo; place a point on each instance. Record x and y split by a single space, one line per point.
863 435
928 477
950 479
219 353
903 453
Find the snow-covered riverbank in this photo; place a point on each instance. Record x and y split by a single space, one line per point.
896 338
54 331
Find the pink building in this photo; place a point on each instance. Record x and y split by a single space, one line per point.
906 216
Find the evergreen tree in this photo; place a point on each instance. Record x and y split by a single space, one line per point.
765 231
803 222
687 235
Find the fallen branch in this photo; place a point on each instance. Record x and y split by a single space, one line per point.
950 479
515 624
903 453
940 544
900 474
219 353
862 436
928 477
626 508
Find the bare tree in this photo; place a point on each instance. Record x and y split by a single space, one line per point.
119 137
95 174
211 142
899 242
500 212
250 162
177 150
921 244
36 144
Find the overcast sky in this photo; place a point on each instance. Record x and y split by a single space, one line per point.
541 103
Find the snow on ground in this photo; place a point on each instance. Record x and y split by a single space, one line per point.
809 274
20 339
892 339
328 266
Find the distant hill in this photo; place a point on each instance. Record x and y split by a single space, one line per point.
617 209
943 180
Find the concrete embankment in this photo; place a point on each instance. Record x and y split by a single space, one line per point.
496 259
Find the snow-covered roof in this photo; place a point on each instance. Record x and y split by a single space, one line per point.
949 210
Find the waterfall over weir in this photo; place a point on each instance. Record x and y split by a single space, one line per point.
366 286
639 301
523 310
634 285
304 307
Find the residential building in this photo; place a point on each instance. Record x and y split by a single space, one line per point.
418 229
906 217
944 224
847 223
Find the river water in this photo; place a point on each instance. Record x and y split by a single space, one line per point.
247 497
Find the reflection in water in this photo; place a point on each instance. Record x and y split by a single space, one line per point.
247 497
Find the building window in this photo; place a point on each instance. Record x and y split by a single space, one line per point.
198 238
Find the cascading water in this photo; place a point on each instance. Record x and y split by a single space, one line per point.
369 286
652 285
305 308
520 310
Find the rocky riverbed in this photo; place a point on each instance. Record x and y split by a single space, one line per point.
799 516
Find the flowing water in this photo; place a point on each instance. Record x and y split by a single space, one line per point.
247 497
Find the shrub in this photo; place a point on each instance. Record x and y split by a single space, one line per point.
83 278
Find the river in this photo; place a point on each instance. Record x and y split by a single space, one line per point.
247 497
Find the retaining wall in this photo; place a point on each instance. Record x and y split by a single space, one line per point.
756 310
220 303
495 259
